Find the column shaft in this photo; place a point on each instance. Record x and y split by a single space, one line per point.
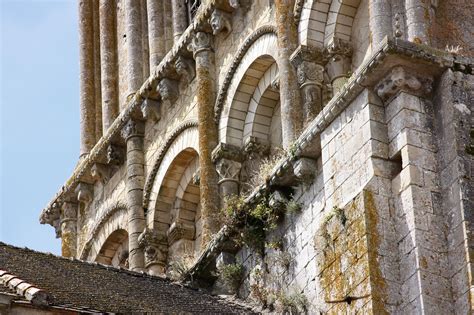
380 20
133 27
108 58
133 133
156 32
418 21
87 87
206 97
97 72
180 20
290 100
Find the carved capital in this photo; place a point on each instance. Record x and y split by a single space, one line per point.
227 151
403 79
202 41
228 170
339 54
180 229
84 193
185 68
154 246
68 213
133 128
168 90
151 109
100 172
256 146
115 155
220 21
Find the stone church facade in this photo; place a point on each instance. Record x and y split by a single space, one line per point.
305 155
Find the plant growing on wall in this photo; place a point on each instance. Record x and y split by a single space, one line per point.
231 275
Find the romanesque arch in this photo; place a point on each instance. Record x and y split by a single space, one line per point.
102 245
250 102
321 21
114 251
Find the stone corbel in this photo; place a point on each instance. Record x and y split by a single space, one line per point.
184 67
84 193
305 169
168 90
339 54
151 109
100 172
403 79
155 248
255 147
220 21
310 74
115 155
180 229
52 217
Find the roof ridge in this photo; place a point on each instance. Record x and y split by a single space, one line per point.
32 293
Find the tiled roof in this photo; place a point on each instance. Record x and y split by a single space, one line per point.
80 285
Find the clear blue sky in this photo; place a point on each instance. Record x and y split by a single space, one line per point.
39 114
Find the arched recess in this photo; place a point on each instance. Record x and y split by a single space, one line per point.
251 80
174 207
104 243
322 20
115 250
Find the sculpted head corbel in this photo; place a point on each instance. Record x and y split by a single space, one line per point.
115 155
168 90
220 21
151 109
100 172
84 193
185 68
403 79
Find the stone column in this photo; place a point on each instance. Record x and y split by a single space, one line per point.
133 135
133 27
291 111
68 229
418 21
180 20
97 72
339 53
156 32
206 97
87 85
168 24
108 60
380 20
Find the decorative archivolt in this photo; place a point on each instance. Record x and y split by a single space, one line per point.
113 216
256 72
185 138
157 163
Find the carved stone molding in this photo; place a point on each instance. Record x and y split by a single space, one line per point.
403 79
220 21
229 175
151 109
155 247
84 193
133 128
180 229
168 90
202 41
100 172
115 154
184 67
